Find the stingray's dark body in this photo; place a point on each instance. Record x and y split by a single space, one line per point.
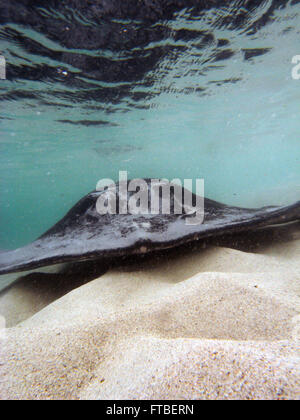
84 234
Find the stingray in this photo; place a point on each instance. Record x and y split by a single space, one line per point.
85 234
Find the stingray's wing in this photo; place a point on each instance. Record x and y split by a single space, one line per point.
83 234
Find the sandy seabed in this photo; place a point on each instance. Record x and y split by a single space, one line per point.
203 323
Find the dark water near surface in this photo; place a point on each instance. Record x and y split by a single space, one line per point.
160 88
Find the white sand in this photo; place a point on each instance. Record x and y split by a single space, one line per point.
213 323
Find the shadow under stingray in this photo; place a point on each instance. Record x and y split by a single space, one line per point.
36 290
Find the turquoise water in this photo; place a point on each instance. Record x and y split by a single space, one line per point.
204 110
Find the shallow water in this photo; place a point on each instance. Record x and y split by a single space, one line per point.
186 94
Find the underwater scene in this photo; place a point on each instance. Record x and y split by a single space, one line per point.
198 93
156 90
